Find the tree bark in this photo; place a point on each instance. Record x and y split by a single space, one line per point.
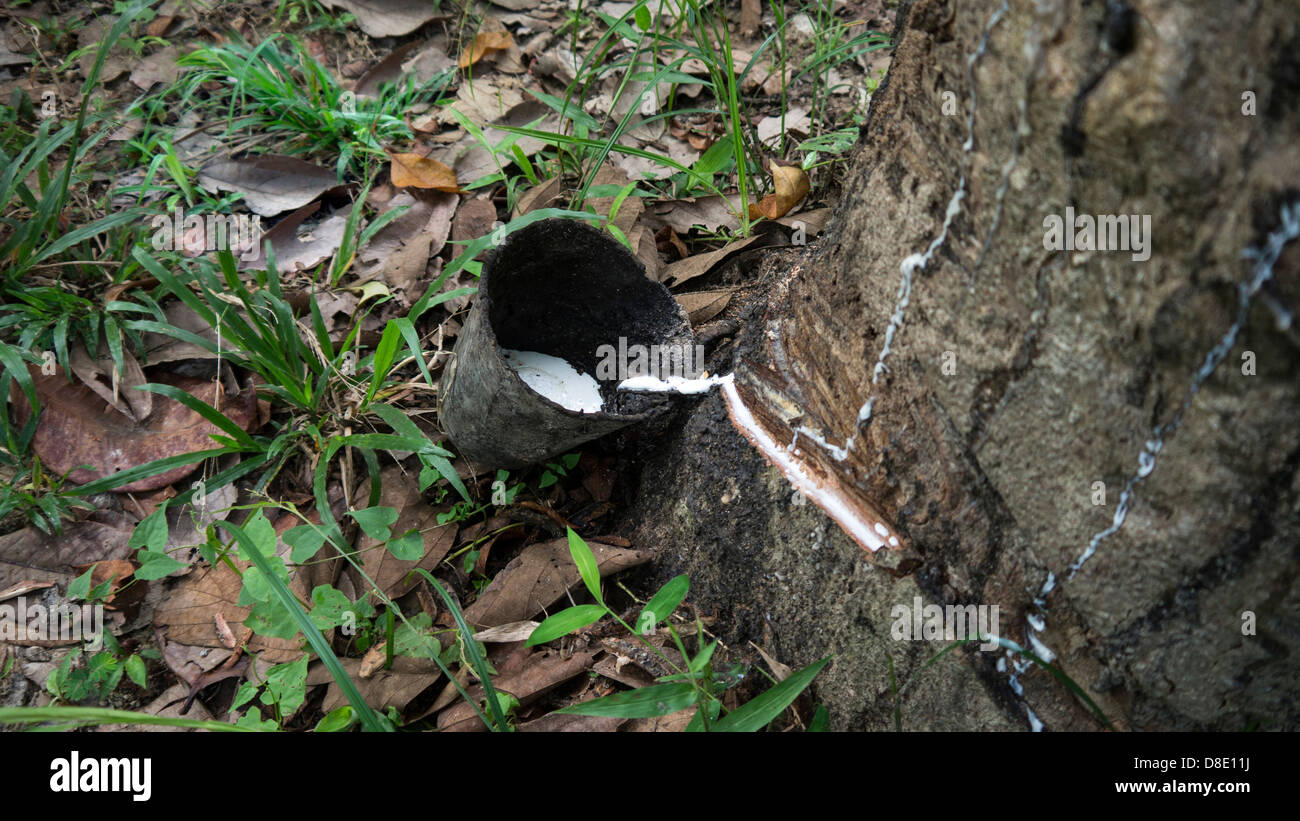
1103 446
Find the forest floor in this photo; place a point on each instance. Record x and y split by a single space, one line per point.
232 450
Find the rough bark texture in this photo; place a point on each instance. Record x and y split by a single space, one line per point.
1067 364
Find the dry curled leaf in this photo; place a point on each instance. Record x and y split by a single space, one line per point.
791 186
415 171
485 42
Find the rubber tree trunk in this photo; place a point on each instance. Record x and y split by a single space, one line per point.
1102 444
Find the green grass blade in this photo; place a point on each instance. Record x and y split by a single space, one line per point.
760 711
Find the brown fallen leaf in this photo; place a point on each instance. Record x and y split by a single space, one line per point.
468 156
542 195
271 184
159 25
394 687
22 589
415 171
779 671
399 254
687 269
89 37
564 723
160 348
386 70
629 210
647 250
159 67
373 661
119 390
671 723
629 675
392 575
474 218
297 250
751 17
541 673
212 677
485 42
701 306
812 222
224 632
167 705
514 631
187 523
790 185
769 129
189 610
74 430
189 662
388 18
537 578
30 558
710 213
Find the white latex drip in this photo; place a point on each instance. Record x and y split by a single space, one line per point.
673 384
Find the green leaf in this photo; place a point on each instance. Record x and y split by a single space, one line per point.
565 622
151 533
339 720
760 711
385 352
288 682
715 159
703 657
647 702
821 720
586 562
135 669
256 588
696 724
305 540
643 17
444 468
252 720
272 619
663 603
154 565
244 694
261 533
407 547
413 638
375 521
329 607
80 586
